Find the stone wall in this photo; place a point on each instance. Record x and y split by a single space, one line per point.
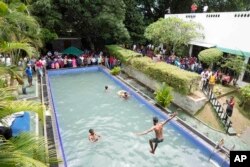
187 103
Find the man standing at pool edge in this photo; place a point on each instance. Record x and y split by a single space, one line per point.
158 128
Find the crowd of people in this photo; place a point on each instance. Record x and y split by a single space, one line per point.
159 53
56 61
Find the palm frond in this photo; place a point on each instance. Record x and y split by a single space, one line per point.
25 150
11 107
13 71
6 94
7 47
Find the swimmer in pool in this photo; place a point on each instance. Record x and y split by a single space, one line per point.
158 129
123 94
93 137
106 88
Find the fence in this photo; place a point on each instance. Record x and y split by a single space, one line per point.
224 118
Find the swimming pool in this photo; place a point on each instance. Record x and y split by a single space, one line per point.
80 103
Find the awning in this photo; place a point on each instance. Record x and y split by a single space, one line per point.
234 51
202 44
72 51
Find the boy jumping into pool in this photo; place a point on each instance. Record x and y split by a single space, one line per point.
158 128
93 137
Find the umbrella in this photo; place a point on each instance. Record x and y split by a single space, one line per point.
72 51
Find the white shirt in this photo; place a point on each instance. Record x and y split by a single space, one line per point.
8 61
205 8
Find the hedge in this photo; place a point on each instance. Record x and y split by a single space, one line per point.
210 56
181 80
122 54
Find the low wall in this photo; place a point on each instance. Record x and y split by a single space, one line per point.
187 103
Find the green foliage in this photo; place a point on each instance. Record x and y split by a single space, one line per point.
163 95
236 64
182 81
96 21
173 32
134 22
26 150
3 83
245 95
47 35
122 54
3 8
115 71
225 6
210 56
18 30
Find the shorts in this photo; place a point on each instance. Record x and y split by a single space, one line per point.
30 79
156 140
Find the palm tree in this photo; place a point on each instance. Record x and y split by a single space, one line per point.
25 150
18 30
14 73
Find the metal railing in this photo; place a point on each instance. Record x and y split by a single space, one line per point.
224 118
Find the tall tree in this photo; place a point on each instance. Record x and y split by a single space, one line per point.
155 9
225 5
173 31
18 30
134 22
96 21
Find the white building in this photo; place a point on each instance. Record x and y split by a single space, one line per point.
228 31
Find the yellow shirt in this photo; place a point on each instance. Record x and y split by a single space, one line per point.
212 79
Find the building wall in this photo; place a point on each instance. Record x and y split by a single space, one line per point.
227 30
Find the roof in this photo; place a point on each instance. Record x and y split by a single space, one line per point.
203 44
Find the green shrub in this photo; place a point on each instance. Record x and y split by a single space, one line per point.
210 56
115 71
182 81
122 54
3 83
163 95
245 95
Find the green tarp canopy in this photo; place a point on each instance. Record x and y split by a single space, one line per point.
234 51
72 51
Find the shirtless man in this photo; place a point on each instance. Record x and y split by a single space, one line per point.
158 128
93 137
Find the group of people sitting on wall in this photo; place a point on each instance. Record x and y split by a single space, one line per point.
56 61
158 54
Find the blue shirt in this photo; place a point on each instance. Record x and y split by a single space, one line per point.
28 71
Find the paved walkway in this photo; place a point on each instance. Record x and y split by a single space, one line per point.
31 92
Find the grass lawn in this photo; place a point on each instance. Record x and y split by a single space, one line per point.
221 90
209 116
240 117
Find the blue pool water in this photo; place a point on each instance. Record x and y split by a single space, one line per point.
81 103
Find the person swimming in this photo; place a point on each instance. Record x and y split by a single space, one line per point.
106 87
93 137
123 94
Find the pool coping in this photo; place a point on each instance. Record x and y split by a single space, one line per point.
195 137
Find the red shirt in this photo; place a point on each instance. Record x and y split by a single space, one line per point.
194 7
39 64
